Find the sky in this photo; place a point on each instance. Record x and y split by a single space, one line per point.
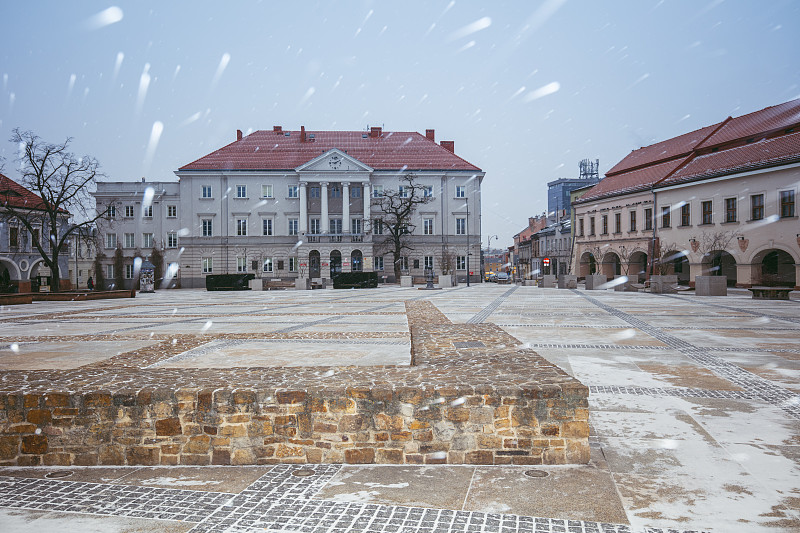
525 89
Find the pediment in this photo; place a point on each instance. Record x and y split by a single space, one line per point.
334 160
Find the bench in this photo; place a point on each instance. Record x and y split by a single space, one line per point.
770 293
273 284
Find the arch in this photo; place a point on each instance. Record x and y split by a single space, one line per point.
356 261
777 269
336 262
637 266
588 265
678 264
611 266
314 264
12 267
720 263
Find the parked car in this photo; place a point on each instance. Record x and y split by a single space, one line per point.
502 277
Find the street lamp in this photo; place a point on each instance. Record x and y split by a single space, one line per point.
466 202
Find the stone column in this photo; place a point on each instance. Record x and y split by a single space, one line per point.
367 201
324 219
744 273
695 269
345 207
303 208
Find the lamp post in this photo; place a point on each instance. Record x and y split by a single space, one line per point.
488 251
466 202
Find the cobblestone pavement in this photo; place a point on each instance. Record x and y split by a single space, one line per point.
694 413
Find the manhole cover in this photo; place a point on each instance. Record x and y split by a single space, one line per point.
304 472
59 473
469 344
536 473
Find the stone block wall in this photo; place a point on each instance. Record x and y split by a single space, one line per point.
357 425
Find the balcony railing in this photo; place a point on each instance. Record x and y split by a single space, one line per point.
335 237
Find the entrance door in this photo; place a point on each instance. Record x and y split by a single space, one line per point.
336 263
313 264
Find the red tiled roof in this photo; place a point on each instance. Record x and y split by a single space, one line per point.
268 150
627 182
682 159
779 150
770 119
15 195
681 145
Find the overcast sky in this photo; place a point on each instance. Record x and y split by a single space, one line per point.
525 89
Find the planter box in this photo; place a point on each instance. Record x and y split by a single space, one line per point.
711 285
596 282
665 284
566 281
302 284
406 281
445 281
548 281
529 283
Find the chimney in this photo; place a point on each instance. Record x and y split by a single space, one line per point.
375 131
302 134
430 135
450 146
278 130
238 135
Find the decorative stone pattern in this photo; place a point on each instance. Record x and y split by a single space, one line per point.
495 404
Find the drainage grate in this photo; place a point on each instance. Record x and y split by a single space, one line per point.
469 344
536 473
304 472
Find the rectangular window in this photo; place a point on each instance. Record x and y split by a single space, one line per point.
293 191
172 211
461 226
580 227
707 212
617 222
632 226
293 226
128 271
355 226
314 192
730 209
377 227
355 192
377 191
241 227
757 207
241 264
686 215
267 265
428 261
336 192
147 212
648 218
129 240
461 191
147 240
427 226
427 191
207 191
461 262
404 263
591 226
172 240
403 191
129 211
207 227
266 227
266 191
379 263
13 237
208 265
241 191
605 225
336 226
111 240
665 217
315 226
292 264
112 211
787 204
110 271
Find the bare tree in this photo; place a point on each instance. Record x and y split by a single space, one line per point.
392 219
62 181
